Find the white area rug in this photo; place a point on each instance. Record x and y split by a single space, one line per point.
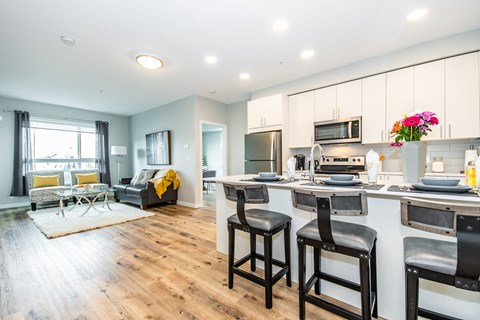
53 225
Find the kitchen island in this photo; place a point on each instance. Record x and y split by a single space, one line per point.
384 217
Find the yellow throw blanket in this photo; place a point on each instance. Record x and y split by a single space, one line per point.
163 179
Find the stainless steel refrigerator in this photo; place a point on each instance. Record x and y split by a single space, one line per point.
263 152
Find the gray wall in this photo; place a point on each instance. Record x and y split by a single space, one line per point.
119 135
182 118
237 128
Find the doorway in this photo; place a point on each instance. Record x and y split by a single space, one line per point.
214 159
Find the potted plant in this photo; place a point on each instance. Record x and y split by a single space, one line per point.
408 132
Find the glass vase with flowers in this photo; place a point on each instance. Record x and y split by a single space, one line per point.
408 132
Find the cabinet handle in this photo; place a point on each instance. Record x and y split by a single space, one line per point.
441 132
381 136
338 113
449 130
333 113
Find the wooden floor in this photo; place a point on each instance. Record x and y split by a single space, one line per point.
160 267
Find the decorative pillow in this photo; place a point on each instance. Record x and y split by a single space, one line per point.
84 178
143 176
45 181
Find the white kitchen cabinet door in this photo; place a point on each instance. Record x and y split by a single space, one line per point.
273 110
462 96
255 114
301 108
399 96
349 99
429 94
373 109
326 103
265 114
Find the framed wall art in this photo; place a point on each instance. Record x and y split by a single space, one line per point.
158 148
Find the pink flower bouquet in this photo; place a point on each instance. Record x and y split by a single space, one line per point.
413 127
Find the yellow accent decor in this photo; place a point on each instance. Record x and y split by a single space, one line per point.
163 179
45 181
84 178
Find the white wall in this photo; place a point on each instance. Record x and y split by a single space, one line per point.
118 135
237 128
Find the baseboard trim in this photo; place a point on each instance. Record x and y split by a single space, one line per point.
188 204
14 205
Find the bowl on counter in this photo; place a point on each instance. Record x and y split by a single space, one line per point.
342 177
267 174
439 181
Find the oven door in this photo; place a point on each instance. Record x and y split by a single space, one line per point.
338 131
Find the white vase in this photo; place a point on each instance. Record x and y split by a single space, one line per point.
414 158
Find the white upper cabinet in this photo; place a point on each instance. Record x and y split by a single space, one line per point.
429 94
462 96
340 101
399 96
326 103
349 99
265 114
373 109
301 109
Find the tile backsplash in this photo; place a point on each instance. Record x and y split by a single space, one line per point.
452 151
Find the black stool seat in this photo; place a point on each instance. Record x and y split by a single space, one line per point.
344 234
262 219
435 255
262 222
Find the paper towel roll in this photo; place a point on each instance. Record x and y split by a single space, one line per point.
470 155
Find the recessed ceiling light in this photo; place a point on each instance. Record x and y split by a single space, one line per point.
67 41
280 25
244 76
307 54
211 59
149 62
417 14
212 91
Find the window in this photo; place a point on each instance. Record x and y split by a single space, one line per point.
62 144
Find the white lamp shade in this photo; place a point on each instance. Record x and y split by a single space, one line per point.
119 151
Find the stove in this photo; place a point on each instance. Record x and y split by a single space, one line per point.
341 165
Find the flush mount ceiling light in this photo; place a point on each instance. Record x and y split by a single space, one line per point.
280 25
307 54
67 41
417 14
149 62
244 76
211 59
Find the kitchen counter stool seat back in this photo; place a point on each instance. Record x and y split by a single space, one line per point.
454 264
260 222
340 237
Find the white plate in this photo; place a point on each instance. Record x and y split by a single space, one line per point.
267 178
342 183
458 189
342 177
440 181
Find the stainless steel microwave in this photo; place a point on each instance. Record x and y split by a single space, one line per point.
345 130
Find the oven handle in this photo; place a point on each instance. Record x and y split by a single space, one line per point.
350 129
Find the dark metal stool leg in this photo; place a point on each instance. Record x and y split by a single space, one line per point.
301 278
365 288
268 269
231 254
253 251
411 278
373 269
288 262
316 268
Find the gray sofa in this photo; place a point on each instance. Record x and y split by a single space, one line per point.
143 195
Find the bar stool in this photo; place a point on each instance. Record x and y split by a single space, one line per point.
450 263
261 222
340 237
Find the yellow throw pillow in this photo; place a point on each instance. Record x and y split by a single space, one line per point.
84 178
45 181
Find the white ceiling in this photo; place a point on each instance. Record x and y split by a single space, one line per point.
99 72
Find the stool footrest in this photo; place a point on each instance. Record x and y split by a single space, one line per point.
339 281
434 315
254 278
331 307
